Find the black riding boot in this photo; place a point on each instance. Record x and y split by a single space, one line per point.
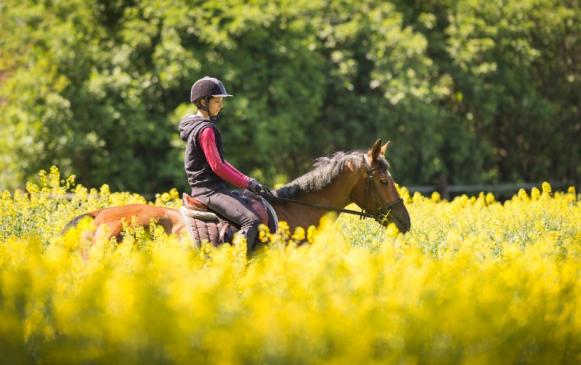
249 233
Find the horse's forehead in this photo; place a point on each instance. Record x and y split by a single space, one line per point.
384 166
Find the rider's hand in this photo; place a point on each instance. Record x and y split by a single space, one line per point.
257 188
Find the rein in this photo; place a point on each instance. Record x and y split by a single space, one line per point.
323 207
381 214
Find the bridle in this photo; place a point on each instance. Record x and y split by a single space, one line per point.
381 214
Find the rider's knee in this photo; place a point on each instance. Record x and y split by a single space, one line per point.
251 220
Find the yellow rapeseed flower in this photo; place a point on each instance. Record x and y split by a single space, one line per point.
470 278
436 197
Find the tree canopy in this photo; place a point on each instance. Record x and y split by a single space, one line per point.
468 91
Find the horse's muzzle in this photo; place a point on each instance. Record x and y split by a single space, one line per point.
400 217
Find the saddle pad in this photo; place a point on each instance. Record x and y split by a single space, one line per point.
215 232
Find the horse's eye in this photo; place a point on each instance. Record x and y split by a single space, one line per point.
384 181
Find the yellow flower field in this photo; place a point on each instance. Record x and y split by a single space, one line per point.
474 282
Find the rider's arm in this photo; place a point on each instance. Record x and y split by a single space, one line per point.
236 171
221 168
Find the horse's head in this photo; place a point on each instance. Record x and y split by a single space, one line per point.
375 190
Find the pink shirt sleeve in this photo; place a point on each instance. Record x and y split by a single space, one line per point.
221 168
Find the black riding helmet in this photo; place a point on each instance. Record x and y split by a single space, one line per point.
206 88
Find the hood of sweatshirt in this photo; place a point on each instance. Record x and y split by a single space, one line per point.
188 123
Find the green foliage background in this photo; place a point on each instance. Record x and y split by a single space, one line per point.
468 91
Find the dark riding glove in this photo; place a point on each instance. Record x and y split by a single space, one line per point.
257 188
267 192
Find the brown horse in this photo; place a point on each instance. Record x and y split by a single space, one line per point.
362 178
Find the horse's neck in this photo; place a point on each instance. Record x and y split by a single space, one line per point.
335 195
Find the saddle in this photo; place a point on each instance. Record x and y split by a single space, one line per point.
204 224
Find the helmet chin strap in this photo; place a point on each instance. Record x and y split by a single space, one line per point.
206 108
214 118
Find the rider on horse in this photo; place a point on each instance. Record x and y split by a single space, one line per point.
207 170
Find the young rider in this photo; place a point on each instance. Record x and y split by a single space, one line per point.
206 169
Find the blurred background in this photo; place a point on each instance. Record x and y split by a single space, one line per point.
471 93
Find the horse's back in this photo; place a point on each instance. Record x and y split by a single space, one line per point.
138 214
112 220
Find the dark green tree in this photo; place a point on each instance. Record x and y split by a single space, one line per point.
470 91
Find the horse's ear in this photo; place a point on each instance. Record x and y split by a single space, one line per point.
375 150
384 148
